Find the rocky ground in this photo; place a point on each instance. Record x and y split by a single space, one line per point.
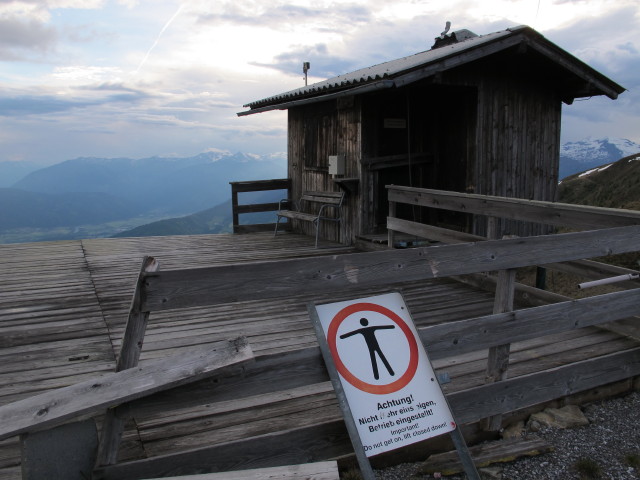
607 448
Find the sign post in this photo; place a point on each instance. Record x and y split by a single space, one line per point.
383 379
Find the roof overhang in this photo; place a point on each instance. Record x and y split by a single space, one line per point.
372 87
407 70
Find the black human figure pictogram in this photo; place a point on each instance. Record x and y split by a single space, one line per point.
369 334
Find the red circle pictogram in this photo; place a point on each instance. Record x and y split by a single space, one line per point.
332 333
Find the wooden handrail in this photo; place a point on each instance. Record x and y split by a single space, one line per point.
255 186
228 283
549 213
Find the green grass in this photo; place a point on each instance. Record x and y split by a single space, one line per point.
351 474
633 460
588 469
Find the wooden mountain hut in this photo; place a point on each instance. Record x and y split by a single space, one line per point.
476 114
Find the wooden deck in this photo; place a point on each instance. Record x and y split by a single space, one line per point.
63 306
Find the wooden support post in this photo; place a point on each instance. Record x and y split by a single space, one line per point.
132 340
492 228
498 361
391 233
541 278
234 208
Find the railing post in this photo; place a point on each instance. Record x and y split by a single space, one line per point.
115 418
234 207
391 233
498 358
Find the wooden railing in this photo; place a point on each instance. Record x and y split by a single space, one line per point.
303 372
256 186
580 217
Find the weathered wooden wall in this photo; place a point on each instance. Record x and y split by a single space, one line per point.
484 129
517 136
316 132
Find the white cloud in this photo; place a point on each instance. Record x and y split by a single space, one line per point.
198 62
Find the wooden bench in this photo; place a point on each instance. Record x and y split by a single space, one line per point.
325 200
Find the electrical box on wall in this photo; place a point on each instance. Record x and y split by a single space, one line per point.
336 164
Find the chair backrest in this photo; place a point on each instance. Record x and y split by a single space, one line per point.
332 198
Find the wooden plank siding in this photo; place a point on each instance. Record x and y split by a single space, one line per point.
476 129
516 137
315 133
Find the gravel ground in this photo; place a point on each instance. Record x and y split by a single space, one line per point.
612 434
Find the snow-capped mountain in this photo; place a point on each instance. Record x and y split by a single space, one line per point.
593 152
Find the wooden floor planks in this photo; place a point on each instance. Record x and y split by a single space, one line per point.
52 333
63 307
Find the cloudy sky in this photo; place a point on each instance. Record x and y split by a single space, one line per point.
139 78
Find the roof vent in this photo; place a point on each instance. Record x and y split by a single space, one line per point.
459 36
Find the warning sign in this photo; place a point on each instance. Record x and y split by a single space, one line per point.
389 384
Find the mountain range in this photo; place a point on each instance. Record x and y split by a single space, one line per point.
586 154
163 184
613 185
79 197
98 197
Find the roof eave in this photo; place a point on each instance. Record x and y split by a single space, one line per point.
597 83
370 87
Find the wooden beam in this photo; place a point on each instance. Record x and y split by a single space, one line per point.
429 232
498 359
132 340
308 444
330 440
529 390
306 471
57 406
258 207
456 59
261 185
456 338
485 454
136 322
305 366
550 213
230 283
581 70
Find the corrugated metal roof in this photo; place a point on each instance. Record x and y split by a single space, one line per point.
383 70
401 71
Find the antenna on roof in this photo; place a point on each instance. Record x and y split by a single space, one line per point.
305 68
446 29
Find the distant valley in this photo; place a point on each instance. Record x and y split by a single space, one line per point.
100 197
